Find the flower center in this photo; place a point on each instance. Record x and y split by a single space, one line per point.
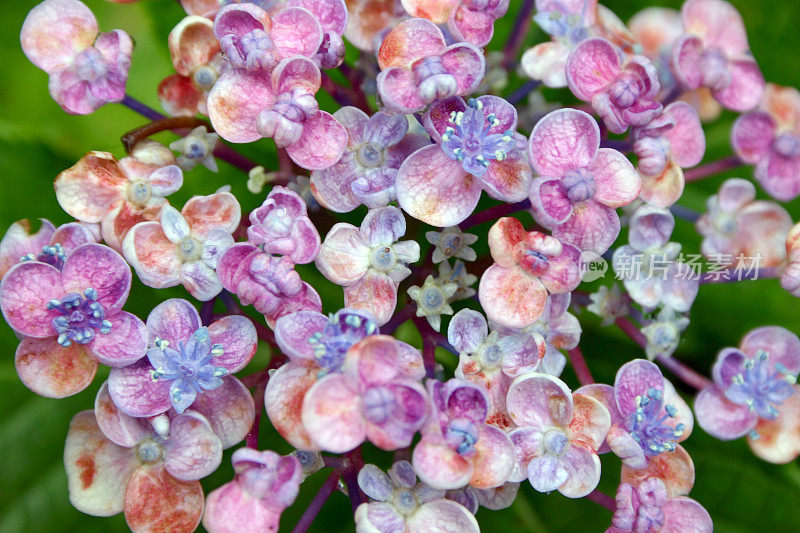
432 299
404 501
53 255
254 51
383 258
149 451
189 249
80 317
555 441
787 144
649 518
624 90
489 353
535 262
433 80
89 65
570 29
579 185
378 404
278 222
343 330
647 425
370 155
139 192
190 364
205 77
761 388
714 68
461 434
468 140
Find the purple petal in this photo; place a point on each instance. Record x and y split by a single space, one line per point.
467 330
592 226
193 451
752 135
101 268
118 427
563 140
635 378
136 393
591 67
239 340
720 417
539 400
229 409
173 320
24 294
123 345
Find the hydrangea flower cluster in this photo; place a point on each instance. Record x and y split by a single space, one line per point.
376 338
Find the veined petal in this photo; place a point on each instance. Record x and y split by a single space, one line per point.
91 187
511 296
321 144
179 506
563 140
284 397
24 294
55 31
229 409
236 101
51 370
409 41
331 413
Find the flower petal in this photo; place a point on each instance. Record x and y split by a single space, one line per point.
18 241
675 468
467 330
332 415
284 399
136 393
441 515
343 256
409 41
539 401
590 421
592 226
178 507
124 344
782 345
374 292
91 187
508 180
193 451
239 340
591 67
118 427
494 458
746 88
618 183
466 63
235 102
321 144
55 31
51 370
296 32
439 466
154 257
583 467
24 294
101 268
563 140
511 297
721 418
779 440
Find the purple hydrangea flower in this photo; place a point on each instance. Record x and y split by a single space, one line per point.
281 226
581 184
476 149
649 507
264 485
401 504
87 69
71 319
458 447
369 262
754 393
376 147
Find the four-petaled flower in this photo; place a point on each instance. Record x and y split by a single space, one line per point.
649 507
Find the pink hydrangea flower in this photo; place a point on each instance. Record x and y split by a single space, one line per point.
527 266
648 266
568 23
714 53
581 184
648 417
458 447
399 503
119 194
654 29
332 18
376 147
671 142
198 62
368 21
281 226
264 485
769 138
622 93
558 435
316 345
738 225
87 69
49 244
476 149
369 262
417 67
650 508
71 319
246 106
372 398
492 361
471 21
184 247
754 393
191 365
148 469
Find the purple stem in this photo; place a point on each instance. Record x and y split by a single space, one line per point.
603 499
685 213
521 25
319 500
623 146
493 213
429 342
350 477
206 311
398 319
524 90
684 373
710 169
580 366
143 109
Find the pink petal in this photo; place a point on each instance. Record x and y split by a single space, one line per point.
409 41
101 268
97 469
686 53
24 294
592 226
405 418
55 31
229 409
441 515
91 187
433 188
18 241
193 451
636 378
721 418
675 468
439 466
685 514
467 330
73 234
296 73
752 136
763 227
563 273
590 421
179 95
126 343
51 370
686 139
236 101
467 64
367 22
717 22
296 32
343 257
283 398
511 297
331 414
779 440
218 210
118 427
192 44
375 292
232 509
666 188
399 90
200 280
779 176
782 345
539 401
591 68
437 11
306 300
563 140
547 62
332 15
508 180
238 338
153 256
583 467
549 202
173 320
321 144
178 507
493 460
378 517
624 446
474 27
746 87
136 393
618 183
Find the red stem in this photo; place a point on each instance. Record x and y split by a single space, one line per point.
710 169
603 499
319 500
429 342
350 477
580 367
493 213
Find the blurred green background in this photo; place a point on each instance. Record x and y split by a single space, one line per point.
38 140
